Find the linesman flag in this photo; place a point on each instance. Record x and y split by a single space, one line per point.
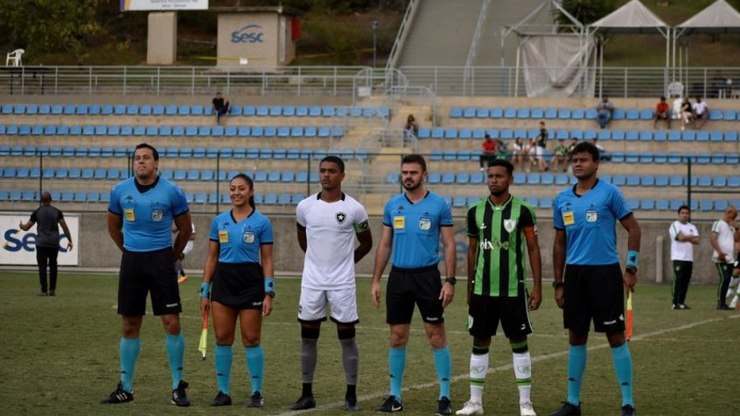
630 319
203 344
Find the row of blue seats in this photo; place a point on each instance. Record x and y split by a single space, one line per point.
193 110
569 113
704 205
153 131
184 152
104 196
579 134
562 179
617 157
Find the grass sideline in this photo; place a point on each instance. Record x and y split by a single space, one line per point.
60 356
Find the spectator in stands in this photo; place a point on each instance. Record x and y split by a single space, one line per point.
531 154
677 101
603 155
488 152
541 143
48 218
559 155
687 113
221 106
701 112
502 150
519 153
662 112
411 128
605 110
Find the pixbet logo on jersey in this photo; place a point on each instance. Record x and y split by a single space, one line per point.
27 242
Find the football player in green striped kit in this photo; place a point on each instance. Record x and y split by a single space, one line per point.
502 234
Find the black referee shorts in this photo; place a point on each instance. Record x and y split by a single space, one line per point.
239 285
594 293
409 287
148 272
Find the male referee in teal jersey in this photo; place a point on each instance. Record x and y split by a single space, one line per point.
588 280
140 215
412 224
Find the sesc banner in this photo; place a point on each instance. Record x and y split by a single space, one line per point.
163 5
19 247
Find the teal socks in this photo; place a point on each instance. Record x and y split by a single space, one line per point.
223 360
443 364
623 368
175 353
256 365
576 367
396 366
129 352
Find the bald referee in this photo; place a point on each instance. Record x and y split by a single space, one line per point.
140 216
588 275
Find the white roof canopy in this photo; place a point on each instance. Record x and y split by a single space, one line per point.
719 17
633 17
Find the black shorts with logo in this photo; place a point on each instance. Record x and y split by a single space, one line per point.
148 272
485 312
409 287
238 285
594 292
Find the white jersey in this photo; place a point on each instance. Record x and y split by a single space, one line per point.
682 250
330 235
725 240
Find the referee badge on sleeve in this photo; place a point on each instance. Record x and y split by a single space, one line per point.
223 236
568 218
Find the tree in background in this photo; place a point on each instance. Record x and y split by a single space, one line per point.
586 11
40 26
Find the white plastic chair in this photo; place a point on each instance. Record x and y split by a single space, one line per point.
14 58
675 89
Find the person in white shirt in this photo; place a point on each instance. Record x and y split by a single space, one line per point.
723 242
684 236
701 112
327 223
677 102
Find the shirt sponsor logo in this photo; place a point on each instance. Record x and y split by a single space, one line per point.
157 215
248 237
425 224
495 244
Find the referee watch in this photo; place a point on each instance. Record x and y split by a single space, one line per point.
631 269
451 280
556 285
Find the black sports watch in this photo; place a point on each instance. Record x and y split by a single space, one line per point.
631 269
556 285
451 280
270 294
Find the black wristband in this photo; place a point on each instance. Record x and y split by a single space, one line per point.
451 280
557 285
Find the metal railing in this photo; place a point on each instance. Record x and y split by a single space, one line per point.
344 81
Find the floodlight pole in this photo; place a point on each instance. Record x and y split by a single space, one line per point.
375 41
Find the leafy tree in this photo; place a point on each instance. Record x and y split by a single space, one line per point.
586 11
48 25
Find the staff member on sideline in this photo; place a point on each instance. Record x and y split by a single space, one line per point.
589 284
412 225
140 215
47 217
684 236
239 269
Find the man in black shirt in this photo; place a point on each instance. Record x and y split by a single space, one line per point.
48 219
220 106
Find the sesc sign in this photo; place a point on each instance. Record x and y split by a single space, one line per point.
163 5
19 247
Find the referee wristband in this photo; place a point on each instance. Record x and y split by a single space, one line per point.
205 289
633 258
269 284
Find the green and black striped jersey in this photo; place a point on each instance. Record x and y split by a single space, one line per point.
500 267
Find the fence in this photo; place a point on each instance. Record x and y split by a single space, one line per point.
345 81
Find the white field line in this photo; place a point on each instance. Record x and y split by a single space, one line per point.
384 393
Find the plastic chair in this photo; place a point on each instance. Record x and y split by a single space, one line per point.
14 58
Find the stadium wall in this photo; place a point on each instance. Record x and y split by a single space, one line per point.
98 251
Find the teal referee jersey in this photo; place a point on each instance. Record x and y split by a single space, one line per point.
500 267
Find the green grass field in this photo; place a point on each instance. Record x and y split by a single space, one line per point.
59 355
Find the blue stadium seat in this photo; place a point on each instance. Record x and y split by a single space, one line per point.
647 204
81 109
675 180
547 179
646 157
198 110
520 178
437 133
675 204
462 178
700 136
662 204
270 199
618 114
730 115
689 136
482 112
534 178
435 177
448 178
720 206
497 112
268 131
183 110
647 180
733 182
633 180
716 136
631 157
510 112
658 136
467 112
633 204
619 180
522 112
477 178
731 136
551 113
